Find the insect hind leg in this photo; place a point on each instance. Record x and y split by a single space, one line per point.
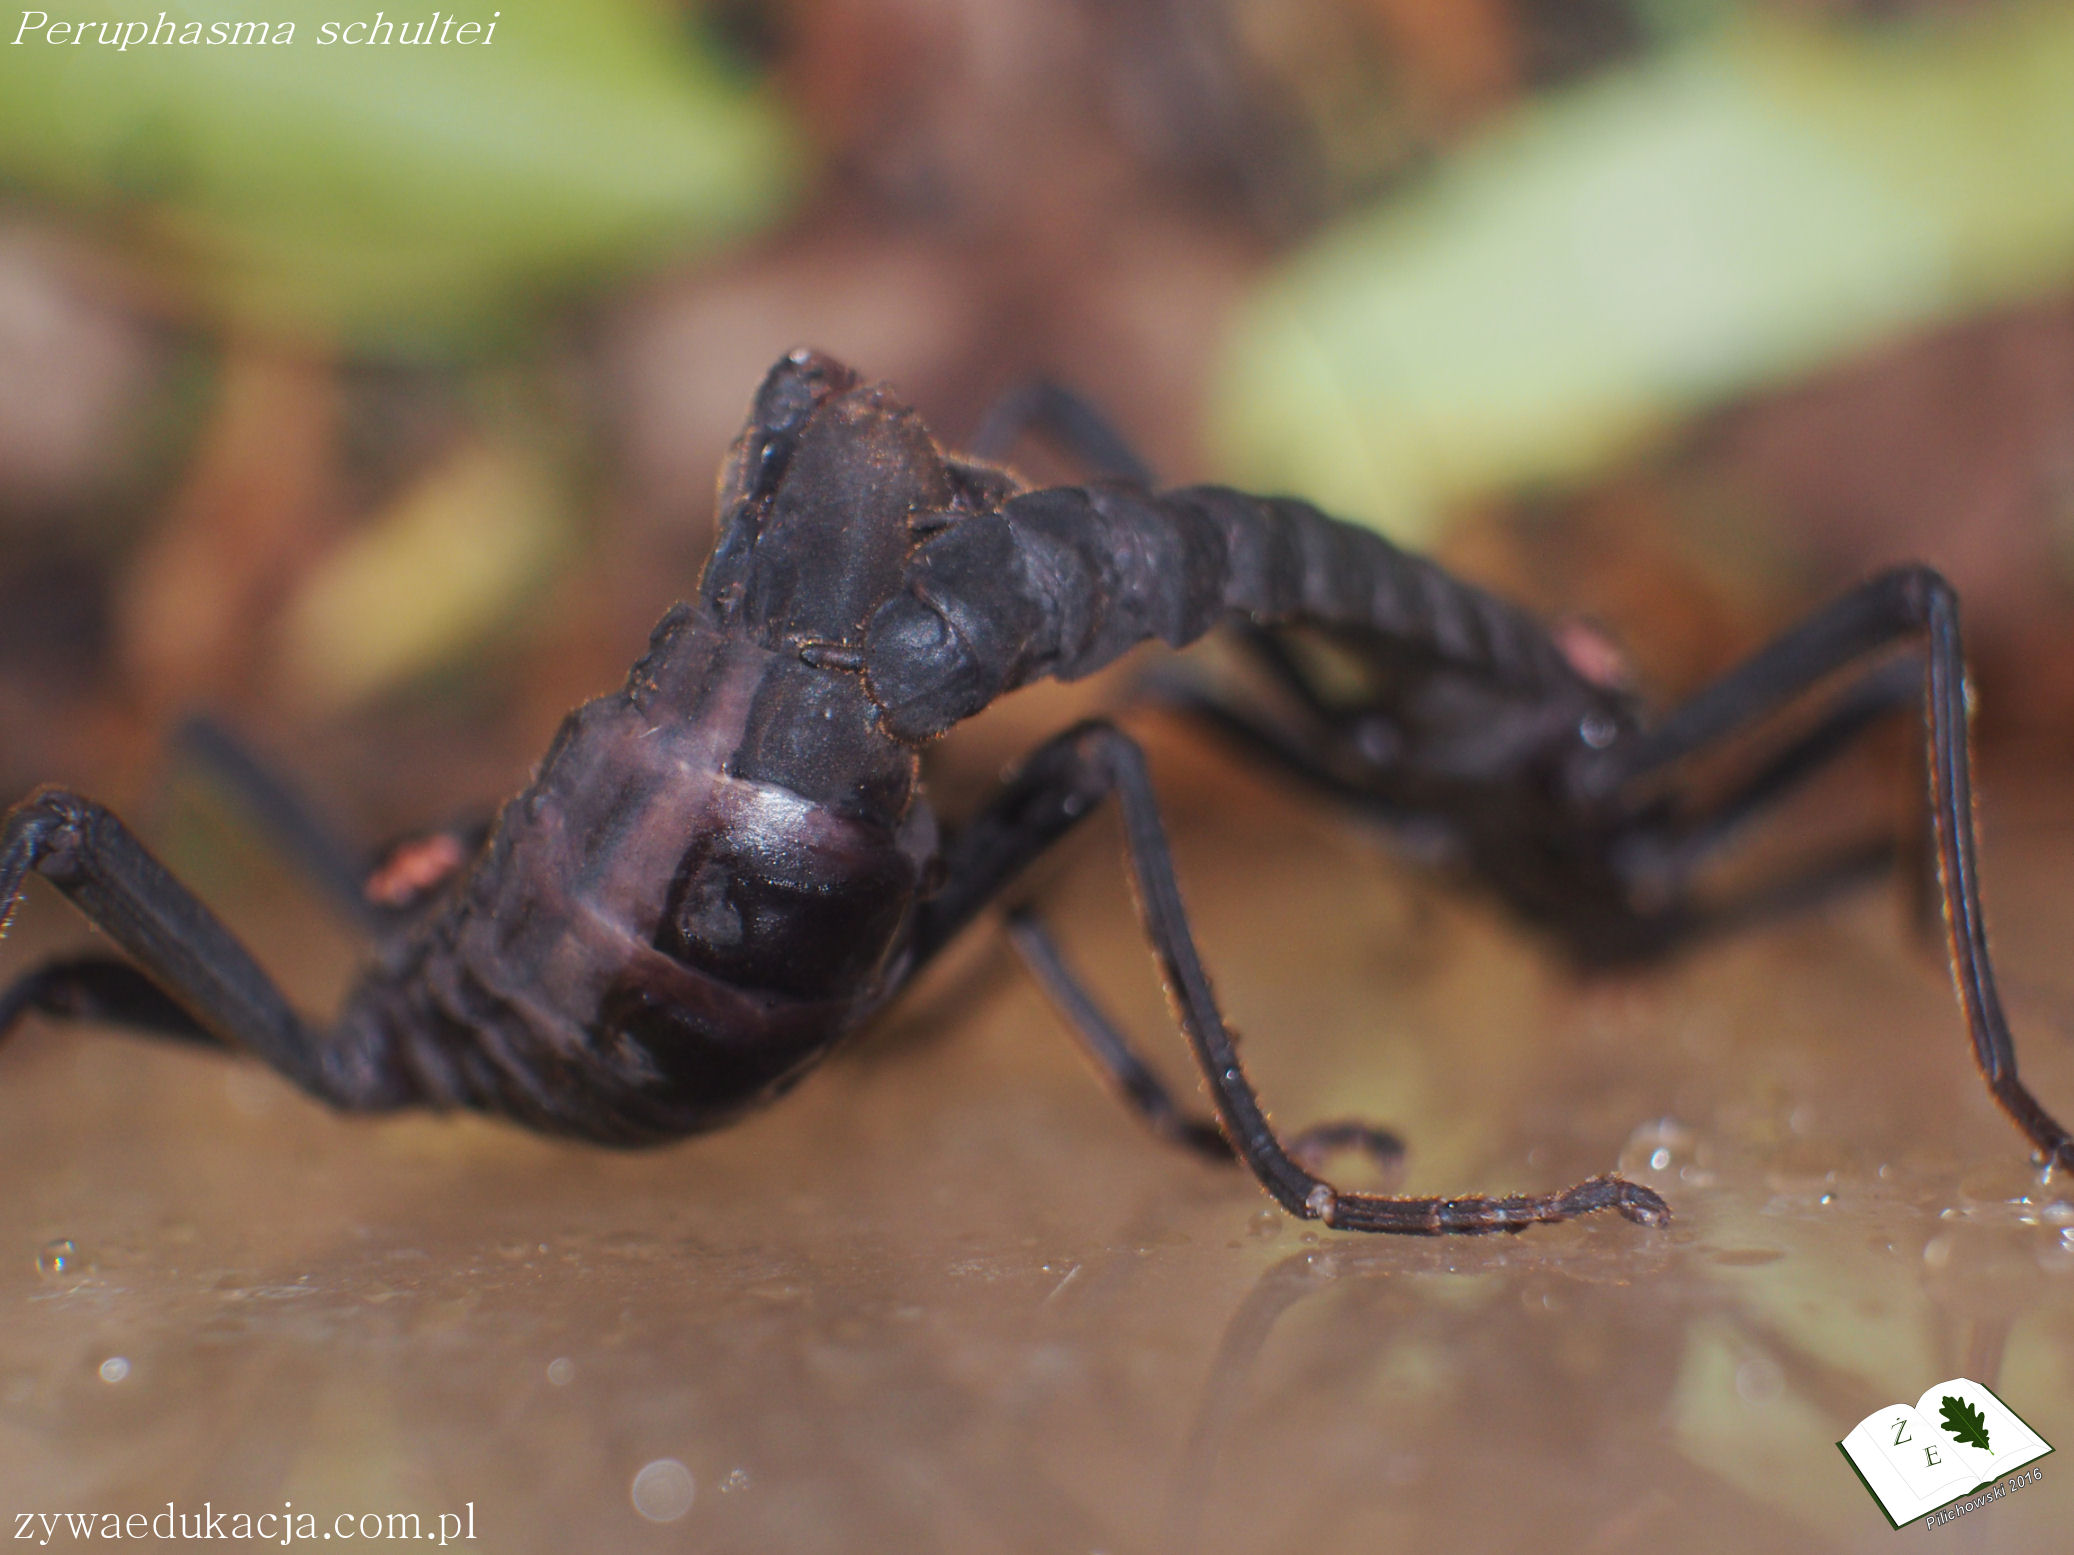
192 981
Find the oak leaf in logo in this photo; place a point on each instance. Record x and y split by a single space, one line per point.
1965 1422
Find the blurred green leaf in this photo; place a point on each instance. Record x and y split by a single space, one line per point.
424 582
1730 215
393 196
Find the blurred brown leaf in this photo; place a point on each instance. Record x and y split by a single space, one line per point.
253 511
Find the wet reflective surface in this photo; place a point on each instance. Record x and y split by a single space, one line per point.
948 1296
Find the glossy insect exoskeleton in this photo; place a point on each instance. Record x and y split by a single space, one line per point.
723 868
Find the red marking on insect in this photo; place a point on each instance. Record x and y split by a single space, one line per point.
413 868
1591 651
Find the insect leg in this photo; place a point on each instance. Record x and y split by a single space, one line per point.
1331 765
379 893
1044 801
1270 651
1886 689
1896 607
1296 1189
279 807
1880 614
99 988
1065 419
1832 874
88 854
1275 741
1658 860
1146 1094
1108 1046
1061 783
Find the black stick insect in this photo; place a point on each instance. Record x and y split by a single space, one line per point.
729 864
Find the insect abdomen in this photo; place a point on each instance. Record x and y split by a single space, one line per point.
679 940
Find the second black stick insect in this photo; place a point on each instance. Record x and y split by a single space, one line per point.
725 867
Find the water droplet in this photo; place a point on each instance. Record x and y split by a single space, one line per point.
115 1368
737 1479
561 1371
1265 1224
58 1258
1665 1145
662 1492
1827 1198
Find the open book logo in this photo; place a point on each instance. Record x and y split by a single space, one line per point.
1957 1439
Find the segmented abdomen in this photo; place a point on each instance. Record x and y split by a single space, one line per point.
569 983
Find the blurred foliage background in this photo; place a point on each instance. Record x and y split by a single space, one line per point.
372 396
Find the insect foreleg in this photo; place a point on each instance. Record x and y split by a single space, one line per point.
1884 690
1908 604
1658 861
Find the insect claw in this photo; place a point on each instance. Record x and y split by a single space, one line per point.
1642 1205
